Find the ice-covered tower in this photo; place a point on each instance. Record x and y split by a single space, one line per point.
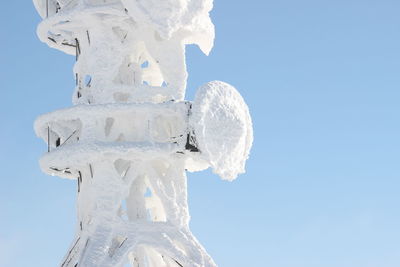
130 136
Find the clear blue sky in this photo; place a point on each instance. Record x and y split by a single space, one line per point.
322 187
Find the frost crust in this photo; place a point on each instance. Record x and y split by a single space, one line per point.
223 128
130 136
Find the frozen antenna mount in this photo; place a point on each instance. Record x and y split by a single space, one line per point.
130 136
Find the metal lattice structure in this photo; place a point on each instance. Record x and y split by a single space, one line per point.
130 136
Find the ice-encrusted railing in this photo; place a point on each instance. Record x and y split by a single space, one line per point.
130 136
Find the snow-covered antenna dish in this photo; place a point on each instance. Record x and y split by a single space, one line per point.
223 128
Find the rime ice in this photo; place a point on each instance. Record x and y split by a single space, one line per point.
130 136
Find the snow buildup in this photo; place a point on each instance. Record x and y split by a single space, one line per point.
130 136
223 128
127 50
189 19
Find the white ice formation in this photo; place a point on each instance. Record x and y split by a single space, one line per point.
130 136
